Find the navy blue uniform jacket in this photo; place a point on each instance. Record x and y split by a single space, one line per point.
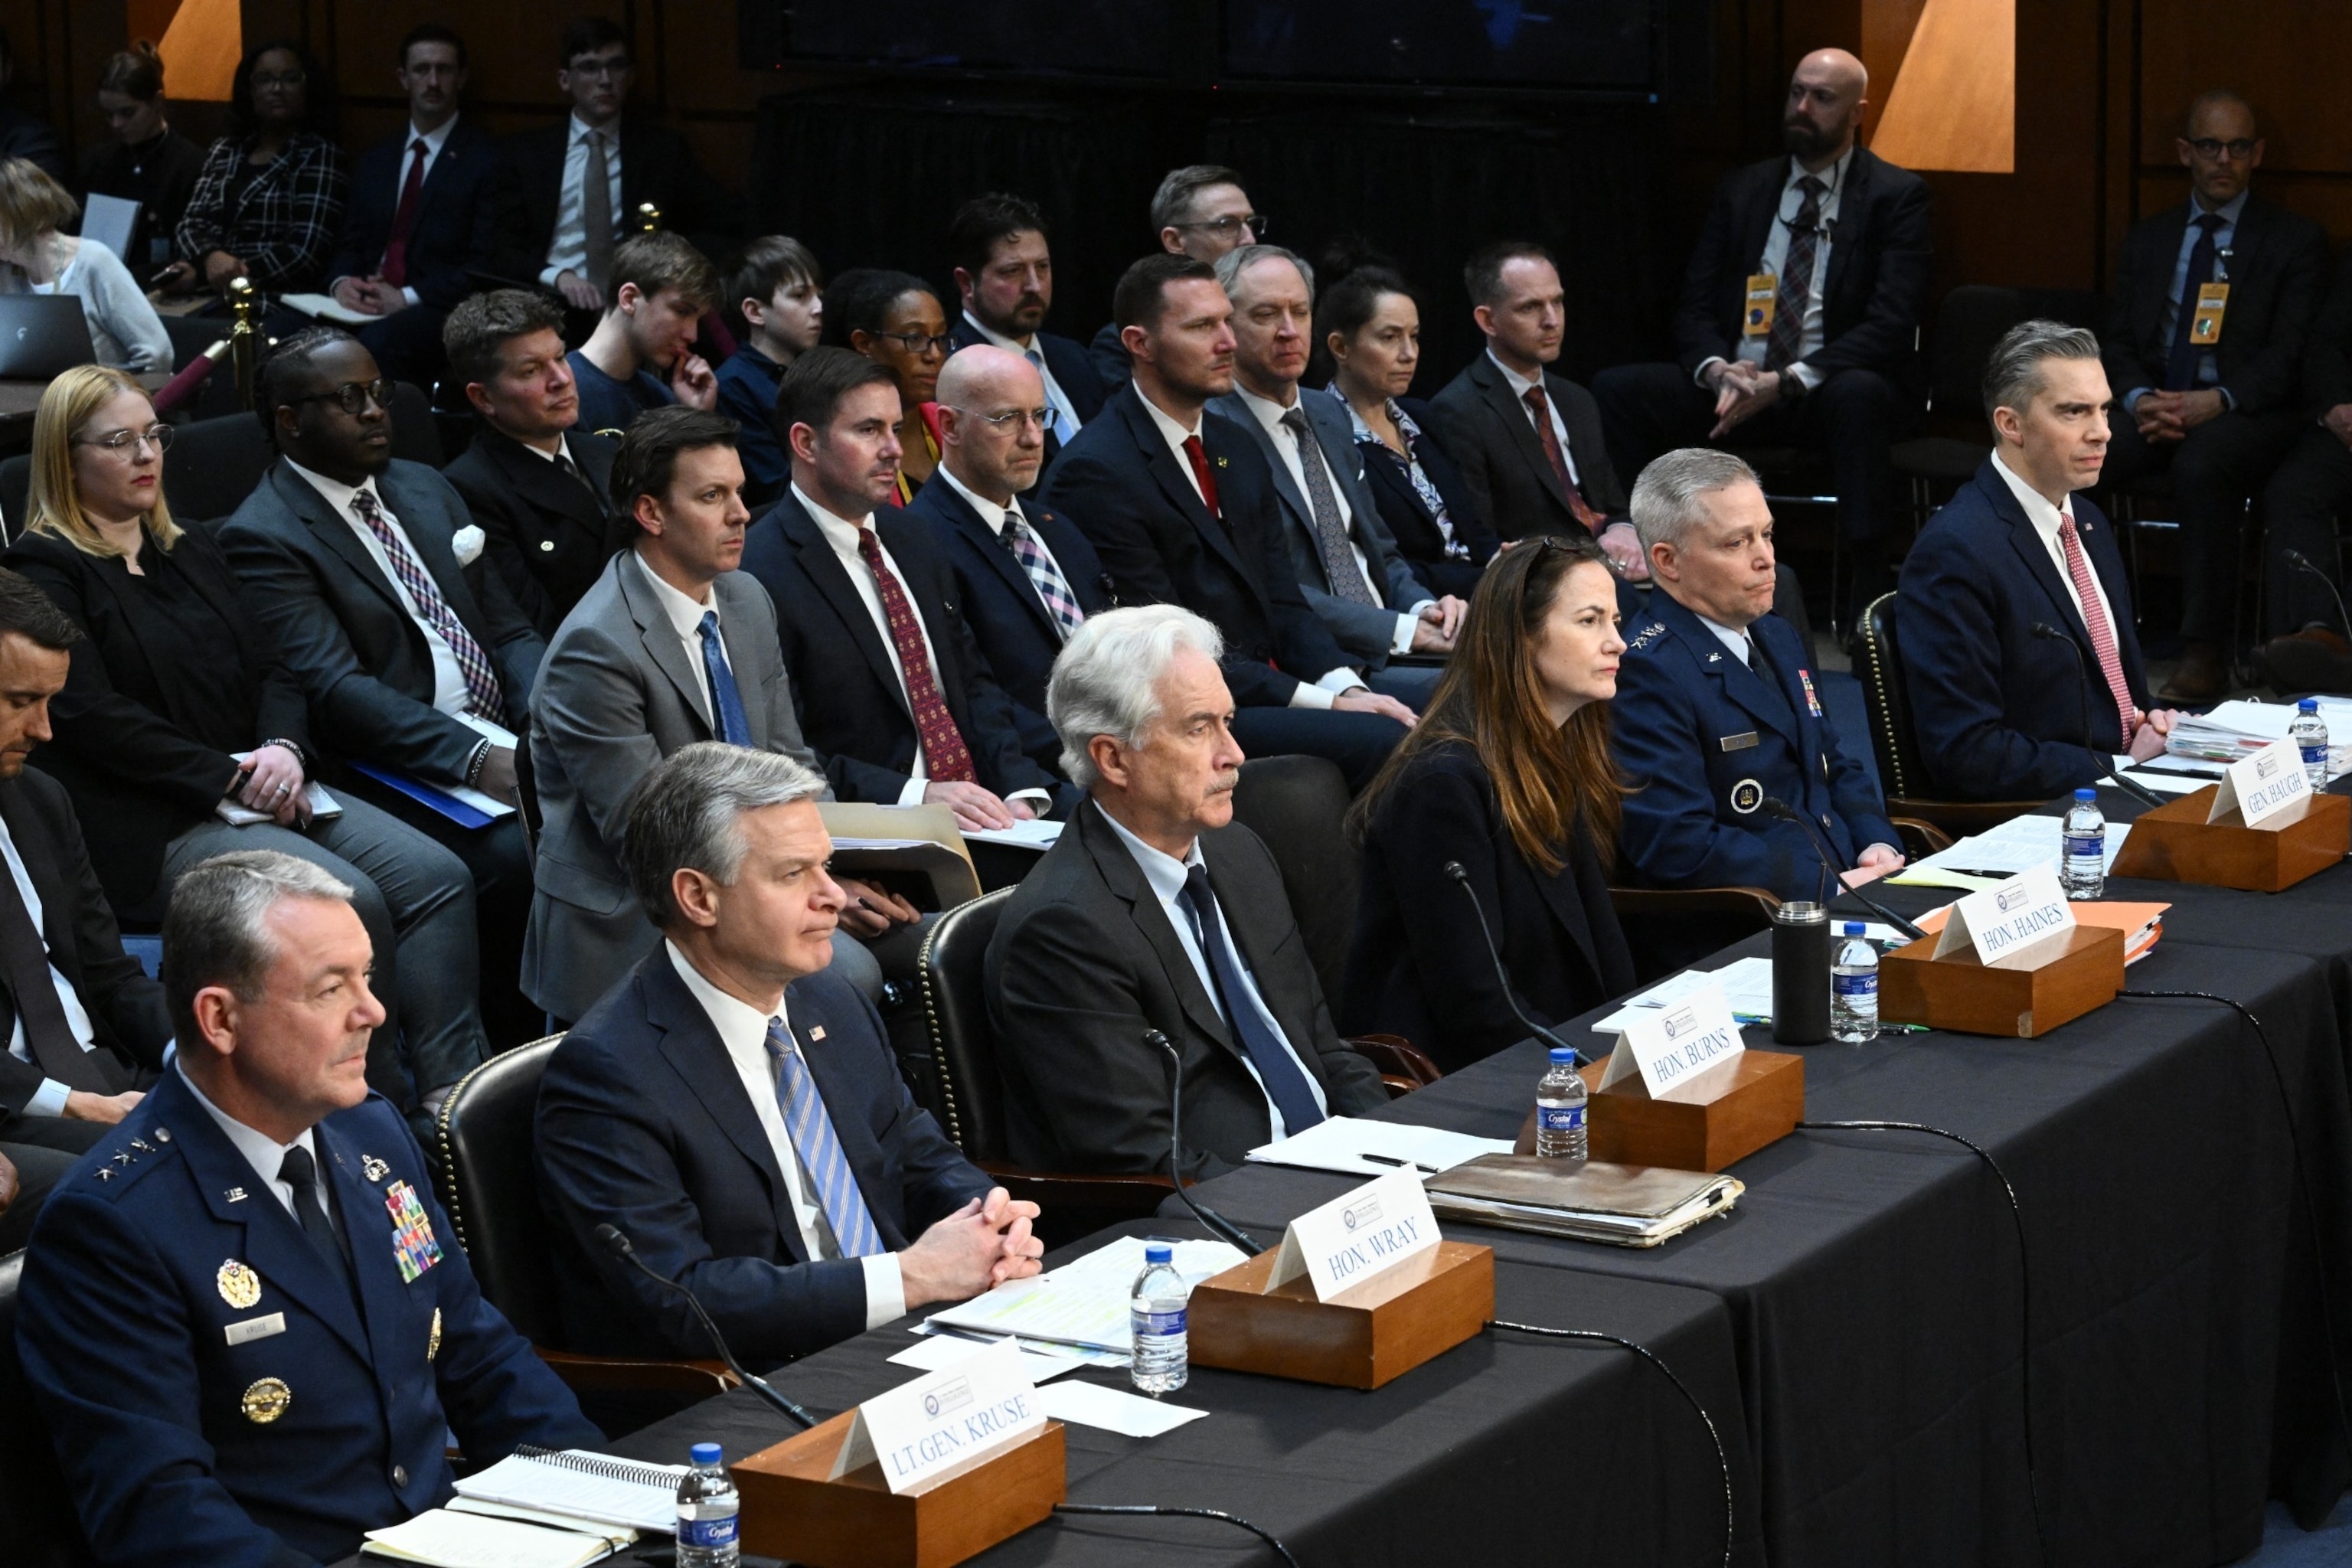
644 1124
1702 739
123 1327
1999 712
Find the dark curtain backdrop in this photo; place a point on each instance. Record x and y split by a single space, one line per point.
870 176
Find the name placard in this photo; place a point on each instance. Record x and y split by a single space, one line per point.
956 1415
1677 1043
2269 784
1358 1236
2007 925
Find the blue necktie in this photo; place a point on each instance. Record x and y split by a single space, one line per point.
819 1147
1065 427
1285 1081
2181 366
726 702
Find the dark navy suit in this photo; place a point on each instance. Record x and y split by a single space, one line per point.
1008 620
123 1327
455 231
644 1124
1703 738
1999 712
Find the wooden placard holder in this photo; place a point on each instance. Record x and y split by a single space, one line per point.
790 1510
1718 1118
2174 843
1962 993
1361 1338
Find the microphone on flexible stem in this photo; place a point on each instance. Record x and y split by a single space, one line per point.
2132 787
2302 563
1453 870
619 1245
1775 806
1225 1229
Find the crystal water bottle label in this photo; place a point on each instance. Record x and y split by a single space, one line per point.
1854 987
2087 846
1559 1118
706 1532
1159 1325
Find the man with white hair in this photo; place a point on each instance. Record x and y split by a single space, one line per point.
1717 711
1156 912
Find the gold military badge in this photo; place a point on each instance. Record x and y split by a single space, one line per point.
433 1341
240 1286
265 1400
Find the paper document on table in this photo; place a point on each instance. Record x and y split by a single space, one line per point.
1340 1143
2236 730
2020 844
1037 833
1130 1416
934 1351
1745 983
446 1539
326 308
1084 1302
587 1486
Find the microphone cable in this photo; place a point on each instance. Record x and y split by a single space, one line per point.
2025 1291
1169 1510
1722 1461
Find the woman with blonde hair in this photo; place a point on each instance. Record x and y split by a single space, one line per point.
1508 774
38 259
180 734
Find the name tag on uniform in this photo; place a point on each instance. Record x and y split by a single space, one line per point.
1739 743
2212 304
248 1330
1763 297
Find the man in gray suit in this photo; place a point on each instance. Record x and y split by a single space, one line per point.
671 646
1157 910
1348 567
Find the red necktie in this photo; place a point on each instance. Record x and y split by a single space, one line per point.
1576 506
1200 476
2095 620
945 756
404 217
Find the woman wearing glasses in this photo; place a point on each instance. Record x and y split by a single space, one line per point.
181 736
894 319
269 203
34 257
1509 776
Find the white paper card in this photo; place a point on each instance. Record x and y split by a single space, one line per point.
2007 923
952 1416
1357 1236
936 1352
1675 1044
1130 1415
2263 786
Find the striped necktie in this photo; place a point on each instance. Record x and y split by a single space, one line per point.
481 679
813 1138
2095 622
1046 577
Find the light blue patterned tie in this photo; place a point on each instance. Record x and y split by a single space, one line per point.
1066 428
820 1148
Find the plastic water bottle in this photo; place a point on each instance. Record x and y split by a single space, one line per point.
1854 995
706 1505
1155 1311
2310 733
2082 861
1559 1109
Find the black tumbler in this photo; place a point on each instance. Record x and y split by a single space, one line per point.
1801 973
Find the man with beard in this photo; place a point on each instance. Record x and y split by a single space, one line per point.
1004 271
1799 314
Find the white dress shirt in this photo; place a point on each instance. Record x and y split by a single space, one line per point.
449 693
1166 877
1776 257
2044 519
567 247
685 618
266 1153
1736 639
743 1030
433 141
1065 411
49 1099
1333 682
842 534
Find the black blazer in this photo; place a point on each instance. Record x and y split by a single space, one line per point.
457 223
1085 961
343 631
126 1008
658 166
644 1123
1073 370
852 709
2327 355
1008 620
1412 522
1131 493
1488 435
546 535
1419 967
1876 291
120 748
160 176
2278 270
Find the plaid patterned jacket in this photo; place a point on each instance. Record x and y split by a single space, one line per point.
283 223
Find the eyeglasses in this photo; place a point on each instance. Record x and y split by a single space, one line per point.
353 396
921 342
2213 147
1253 225
264 81
121 442
1013 419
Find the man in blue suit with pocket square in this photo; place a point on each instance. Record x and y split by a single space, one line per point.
737 1113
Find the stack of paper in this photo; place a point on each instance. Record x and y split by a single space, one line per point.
1083 1303
2020 844
2239 729
1354 1147
458 1538
583 1486
1746 983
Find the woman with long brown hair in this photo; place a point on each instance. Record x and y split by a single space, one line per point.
1509 774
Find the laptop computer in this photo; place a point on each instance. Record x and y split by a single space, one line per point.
42 334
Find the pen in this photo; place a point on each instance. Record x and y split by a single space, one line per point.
1401 1164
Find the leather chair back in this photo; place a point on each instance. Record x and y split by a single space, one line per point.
963 1042
16 495
1901 771
38 1527
1299 805
214 465
416 433
490 1190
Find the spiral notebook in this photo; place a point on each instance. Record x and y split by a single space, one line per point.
593 1487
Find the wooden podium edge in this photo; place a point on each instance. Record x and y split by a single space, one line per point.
2174 843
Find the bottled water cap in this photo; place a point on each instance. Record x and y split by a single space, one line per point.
2086 793
1854 928
1562 1054
1158 1252
707 1453
2308 705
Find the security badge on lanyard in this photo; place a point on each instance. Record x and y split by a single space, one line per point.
2212 304
1763 297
